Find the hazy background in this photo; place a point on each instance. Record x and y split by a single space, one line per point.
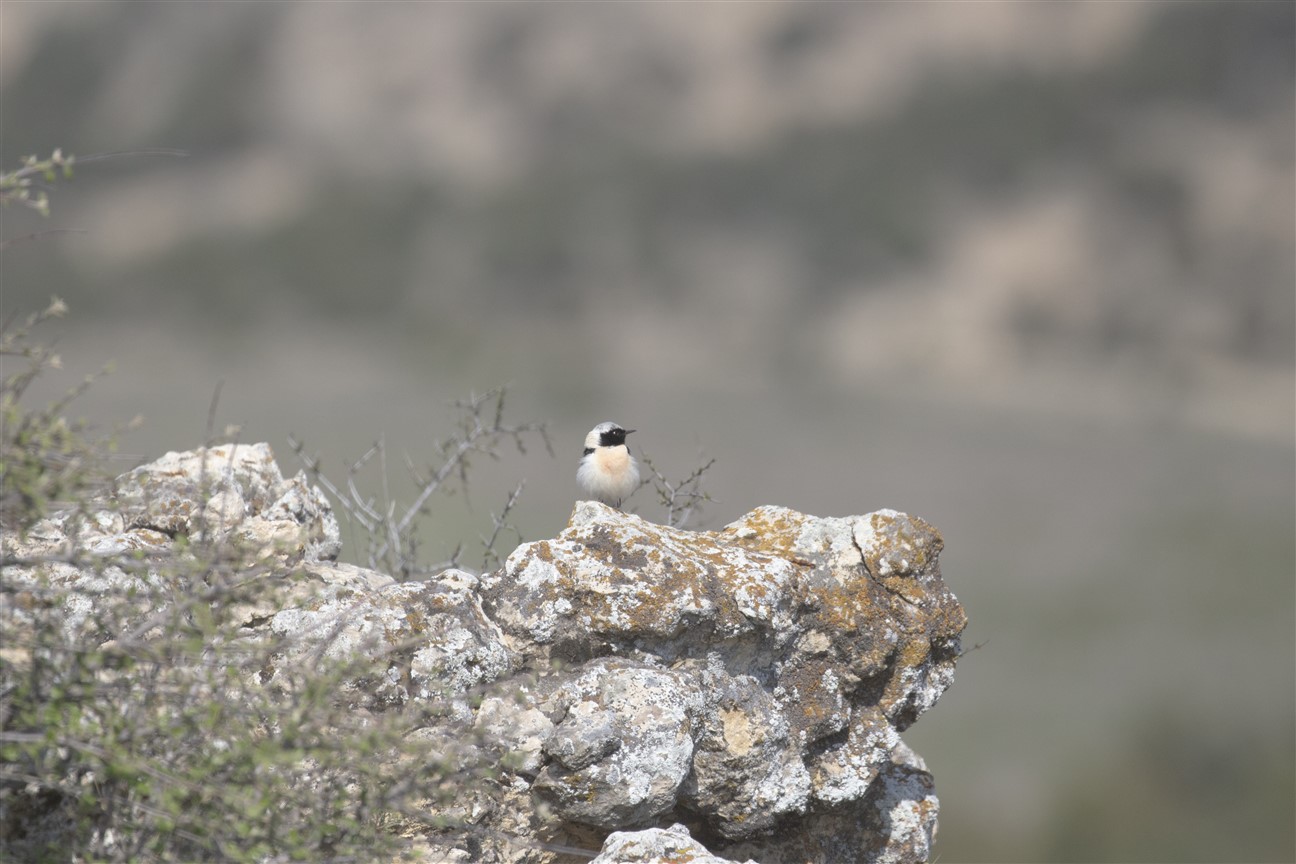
1023 269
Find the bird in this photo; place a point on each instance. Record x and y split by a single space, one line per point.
607 470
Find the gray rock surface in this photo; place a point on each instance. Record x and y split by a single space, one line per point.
656 846
427 640
232 493
623 746
626 679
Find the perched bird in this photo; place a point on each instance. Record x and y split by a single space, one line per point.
607 470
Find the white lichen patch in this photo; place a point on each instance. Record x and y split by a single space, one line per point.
845 772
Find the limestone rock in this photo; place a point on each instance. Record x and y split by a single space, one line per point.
517 730
108 557
233 491
874 587
233 494
81 593
425 640
813 642
894 822
623 745
747 772
622 680
656 846
615 583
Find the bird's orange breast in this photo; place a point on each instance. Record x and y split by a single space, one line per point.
612 460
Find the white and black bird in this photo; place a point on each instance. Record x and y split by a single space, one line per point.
607 470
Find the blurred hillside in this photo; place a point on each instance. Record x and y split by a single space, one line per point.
953 194
1027 270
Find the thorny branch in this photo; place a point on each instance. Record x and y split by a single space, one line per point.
501 522
682 500
393 544
27 185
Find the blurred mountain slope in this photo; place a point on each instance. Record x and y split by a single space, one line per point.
1103 186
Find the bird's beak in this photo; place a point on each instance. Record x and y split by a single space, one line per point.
628 431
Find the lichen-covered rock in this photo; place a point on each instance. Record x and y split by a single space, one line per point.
511 725
622 745
873 586
232 494
83 597
814 642
749 683
656 846
747 772
893 823
613 583
421 640
845 768
113 556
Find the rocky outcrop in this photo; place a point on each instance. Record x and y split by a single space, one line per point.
667 694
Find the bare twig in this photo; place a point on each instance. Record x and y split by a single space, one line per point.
500 522
37 235
682 499
143 151
27 185
391 529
